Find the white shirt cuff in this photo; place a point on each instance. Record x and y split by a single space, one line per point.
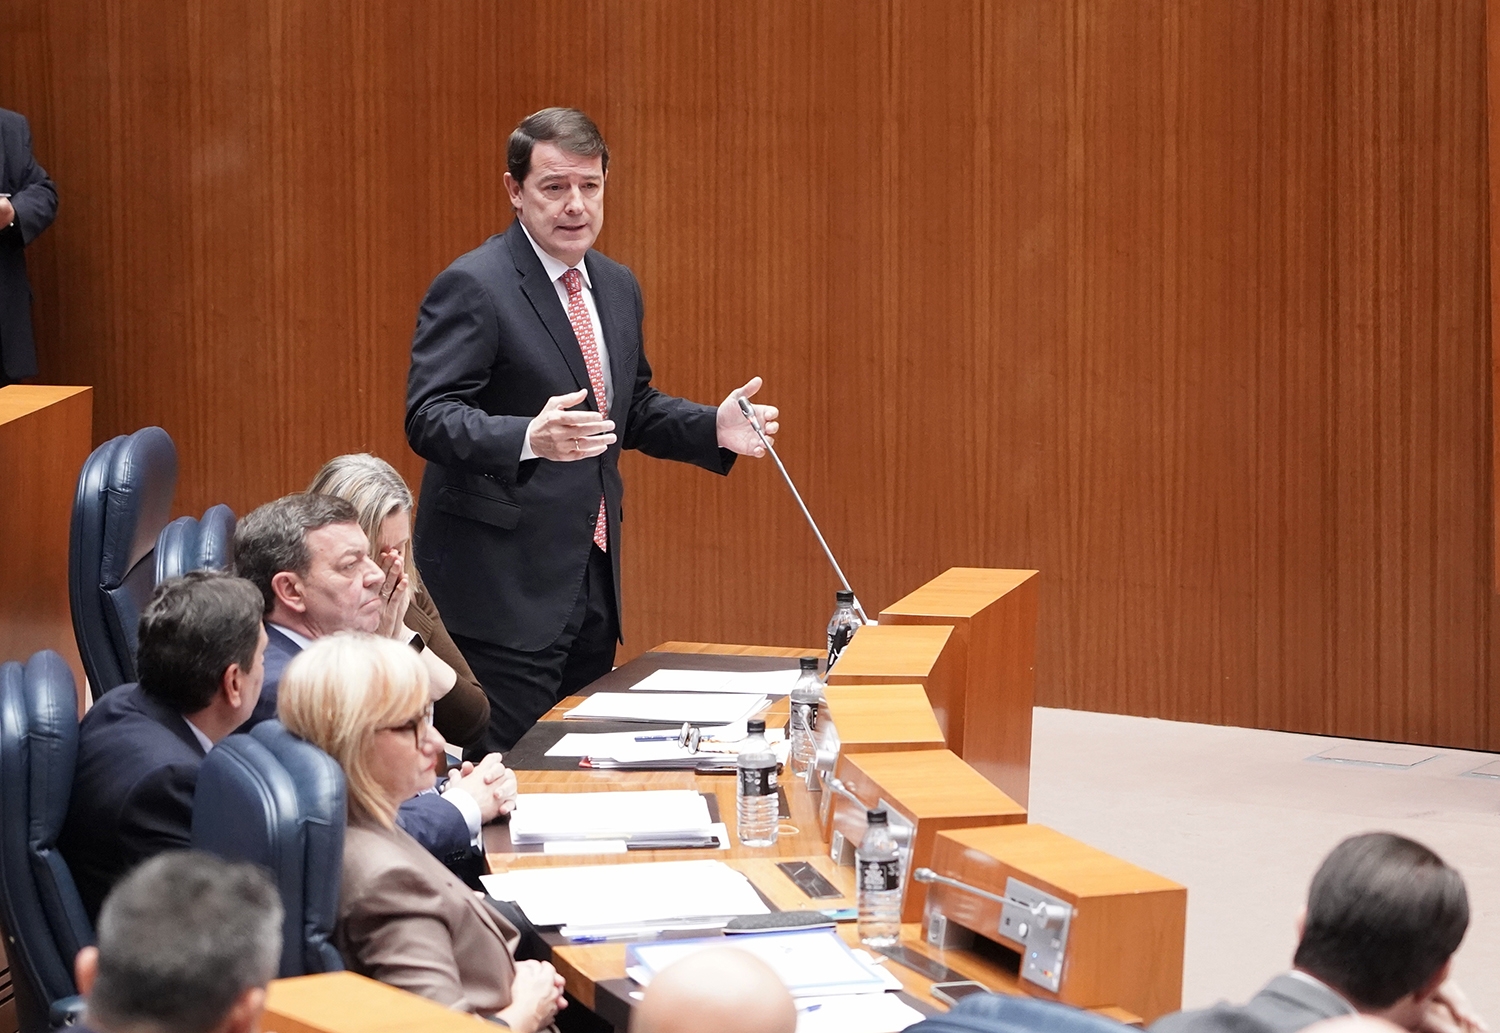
456 795
526 452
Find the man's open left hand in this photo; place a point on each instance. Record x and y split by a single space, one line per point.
735 432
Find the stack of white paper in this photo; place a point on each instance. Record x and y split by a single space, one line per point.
755 683
699 708
855 1013
606 899
661 815
812 963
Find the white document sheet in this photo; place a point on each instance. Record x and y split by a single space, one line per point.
755 683
699 708
661 744
811 963
621 895
855 1013
624 814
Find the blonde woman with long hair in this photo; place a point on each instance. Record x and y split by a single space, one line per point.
384 505
404 919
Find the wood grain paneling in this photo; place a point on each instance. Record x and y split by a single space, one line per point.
1181 304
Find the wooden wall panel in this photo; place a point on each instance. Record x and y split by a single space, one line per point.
1182 304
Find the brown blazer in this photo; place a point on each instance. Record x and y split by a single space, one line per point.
406 920
463 715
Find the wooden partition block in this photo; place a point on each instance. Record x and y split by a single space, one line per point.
342 1002
45 435
916 654
993 617
881 718
1125 943
933 789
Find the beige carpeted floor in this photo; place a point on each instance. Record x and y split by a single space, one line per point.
1243 818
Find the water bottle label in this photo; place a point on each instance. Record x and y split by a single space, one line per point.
757 781
808 714
879 876
836 644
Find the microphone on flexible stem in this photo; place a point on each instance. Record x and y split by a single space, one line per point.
749 411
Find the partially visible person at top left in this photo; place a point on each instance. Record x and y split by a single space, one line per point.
28 204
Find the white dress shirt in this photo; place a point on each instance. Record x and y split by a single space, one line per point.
555 270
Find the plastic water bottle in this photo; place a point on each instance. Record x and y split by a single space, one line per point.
807 693
842 626
756 795
877 865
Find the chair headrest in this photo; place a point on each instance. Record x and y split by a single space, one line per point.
39 902
138 482
195 544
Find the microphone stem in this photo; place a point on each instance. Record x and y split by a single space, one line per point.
755 426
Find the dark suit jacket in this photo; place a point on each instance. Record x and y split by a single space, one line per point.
502 544
426 817
35 200
1286 1005
132 790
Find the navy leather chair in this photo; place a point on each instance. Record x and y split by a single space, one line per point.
43 918
998 1013
269 798
124 499
195 544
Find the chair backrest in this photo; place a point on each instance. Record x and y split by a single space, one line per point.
195 544
272 799
124 499
1000 1013
43 917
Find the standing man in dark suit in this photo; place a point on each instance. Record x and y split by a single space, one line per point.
28 204
528 375
200 658
1384 916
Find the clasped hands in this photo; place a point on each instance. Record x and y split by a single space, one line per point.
564 435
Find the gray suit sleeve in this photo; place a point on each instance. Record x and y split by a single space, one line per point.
36 201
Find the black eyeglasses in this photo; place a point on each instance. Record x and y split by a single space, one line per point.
416 727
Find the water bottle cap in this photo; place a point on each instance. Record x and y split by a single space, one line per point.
877 817
809 663
756 727
844 597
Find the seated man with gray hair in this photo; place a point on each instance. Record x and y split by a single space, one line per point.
720 989
187 944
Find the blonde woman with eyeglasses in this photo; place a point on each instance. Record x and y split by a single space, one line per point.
384 505
404 919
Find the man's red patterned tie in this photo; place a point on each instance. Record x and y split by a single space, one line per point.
583 329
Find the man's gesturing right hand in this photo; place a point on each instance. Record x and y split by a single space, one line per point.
563 435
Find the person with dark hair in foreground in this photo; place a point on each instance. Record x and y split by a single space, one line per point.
200 661
1384 917
187 944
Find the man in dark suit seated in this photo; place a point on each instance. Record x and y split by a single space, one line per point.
187 943
1384 916
311 561
200 660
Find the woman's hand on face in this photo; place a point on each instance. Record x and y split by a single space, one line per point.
536 996
395 594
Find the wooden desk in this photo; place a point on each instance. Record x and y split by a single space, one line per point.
45 435
342 1002
993 615
585 966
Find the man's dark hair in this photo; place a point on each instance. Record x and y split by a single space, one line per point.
568 128
193 628
1383 915
273 538
180 939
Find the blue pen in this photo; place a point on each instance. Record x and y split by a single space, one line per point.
656 738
